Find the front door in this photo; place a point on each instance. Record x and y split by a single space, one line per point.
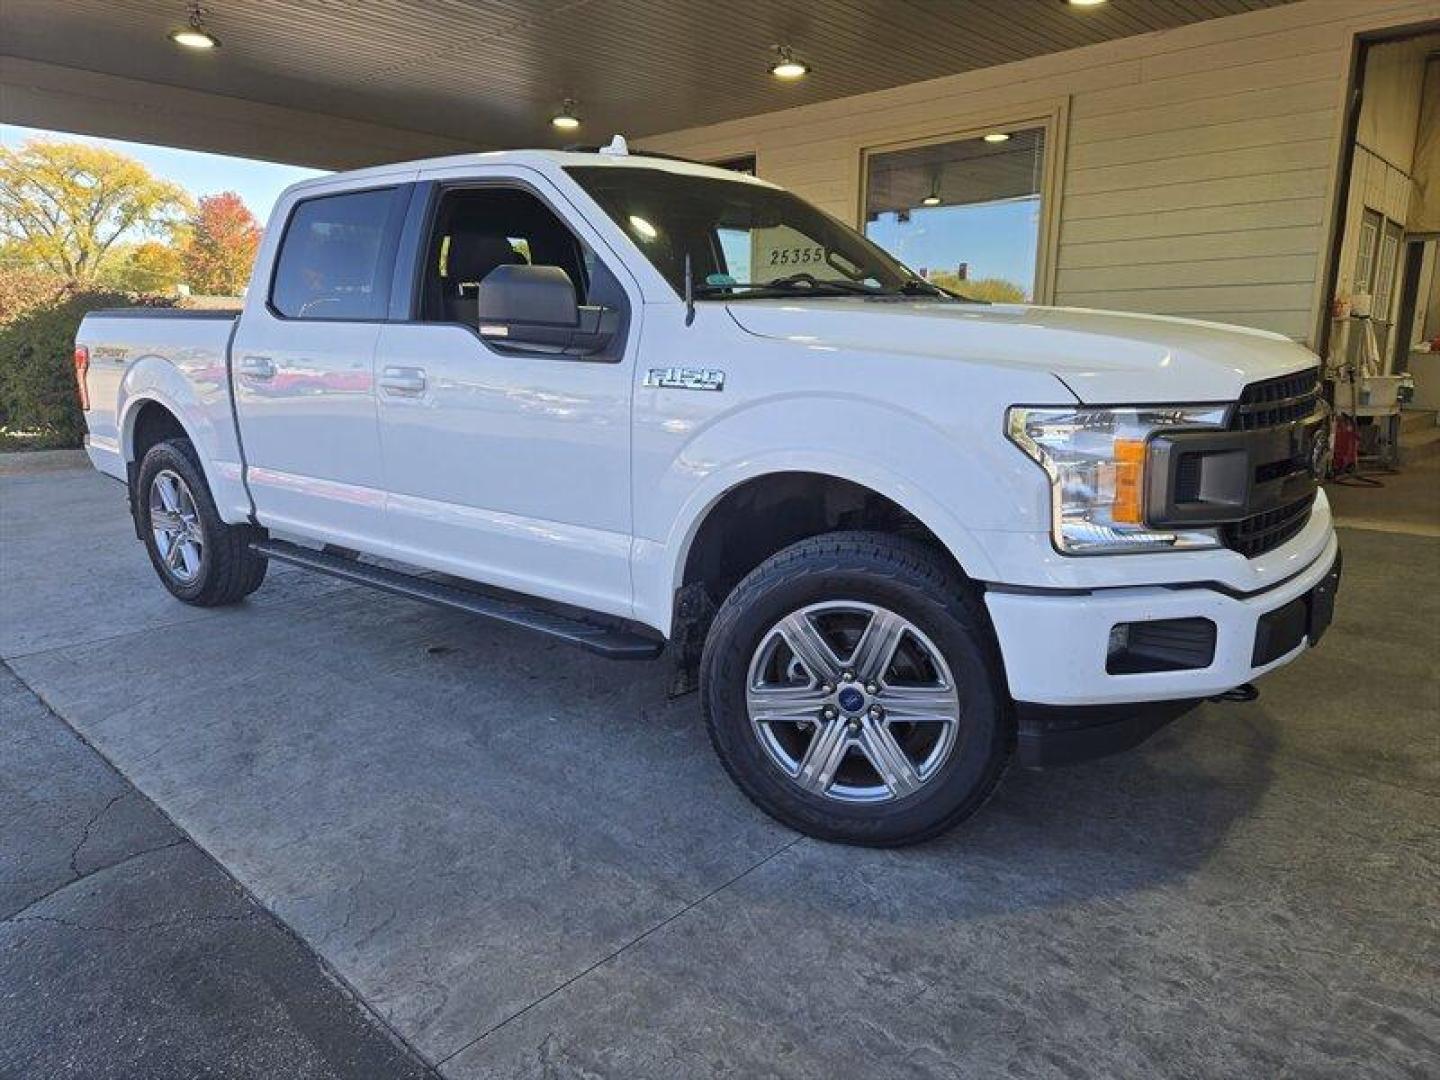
303 369
503 464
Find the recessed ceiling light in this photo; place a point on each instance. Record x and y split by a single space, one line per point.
787 66
565 119
930 200
998 136
194 35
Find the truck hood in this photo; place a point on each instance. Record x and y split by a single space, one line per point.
1104 357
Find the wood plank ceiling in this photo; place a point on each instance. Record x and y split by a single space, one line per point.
493 71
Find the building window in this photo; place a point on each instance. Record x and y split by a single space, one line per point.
966 213
1386 267
1370 222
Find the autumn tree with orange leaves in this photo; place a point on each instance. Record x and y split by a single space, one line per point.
223 236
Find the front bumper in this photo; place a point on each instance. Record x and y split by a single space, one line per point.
1055 644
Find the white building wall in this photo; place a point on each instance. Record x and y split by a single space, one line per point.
1198 166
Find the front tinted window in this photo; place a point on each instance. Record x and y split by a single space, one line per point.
741 238
335 260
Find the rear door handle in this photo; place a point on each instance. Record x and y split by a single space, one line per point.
257 367
406 381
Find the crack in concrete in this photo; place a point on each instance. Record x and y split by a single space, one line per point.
16 916
261 910
691 906
85 832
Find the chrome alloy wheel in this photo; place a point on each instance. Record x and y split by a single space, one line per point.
852 702
175 524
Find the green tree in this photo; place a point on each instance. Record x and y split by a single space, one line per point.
995 290
147 267
223 238
64 205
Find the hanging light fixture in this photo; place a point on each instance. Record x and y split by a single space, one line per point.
565 119
933 199
193 35
787 65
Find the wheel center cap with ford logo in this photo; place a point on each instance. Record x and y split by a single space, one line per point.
851 699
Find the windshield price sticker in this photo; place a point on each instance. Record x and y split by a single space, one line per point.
784 248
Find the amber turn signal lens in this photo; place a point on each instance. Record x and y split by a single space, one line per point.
1129 481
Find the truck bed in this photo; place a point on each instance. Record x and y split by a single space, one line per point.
176 356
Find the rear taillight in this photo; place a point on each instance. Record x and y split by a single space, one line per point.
82 368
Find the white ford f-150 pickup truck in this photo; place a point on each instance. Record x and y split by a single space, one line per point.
897 538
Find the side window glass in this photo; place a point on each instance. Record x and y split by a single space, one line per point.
333 261
476 230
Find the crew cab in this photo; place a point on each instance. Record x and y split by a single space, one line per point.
898 539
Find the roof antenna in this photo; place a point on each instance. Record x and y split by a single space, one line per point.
689 292
618 147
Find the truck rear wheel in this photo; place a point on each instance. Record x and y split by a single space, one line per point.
199 558
852 688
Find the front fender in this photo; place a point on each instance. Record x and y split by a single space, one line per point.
907 459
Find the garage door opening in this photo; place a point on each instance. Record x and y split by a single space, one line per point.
1380 332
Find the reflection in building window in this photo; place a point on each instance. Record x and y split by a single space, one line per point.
965 214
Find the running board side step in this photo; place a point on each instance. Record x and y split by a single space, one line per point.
614 642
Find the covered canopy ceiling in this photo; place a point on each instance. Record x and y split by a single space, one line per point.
490 73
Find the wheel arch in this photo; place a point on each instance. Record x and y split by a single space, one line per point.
768 507
149 420
157 397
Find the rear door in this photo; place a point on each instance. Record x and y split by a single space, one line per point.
303 366
503 464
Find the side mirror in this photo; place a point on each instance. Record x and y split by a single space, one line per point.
534 307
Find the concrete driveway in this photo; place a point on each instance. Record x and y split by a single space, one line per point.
529 863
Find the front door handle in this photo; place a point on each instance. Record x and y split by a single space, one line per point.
407 381
257 367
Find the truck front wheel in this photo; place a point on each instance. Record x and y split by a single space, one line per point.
199 558
852 688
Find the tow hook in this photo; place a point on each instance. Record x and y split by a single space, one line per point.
1243 692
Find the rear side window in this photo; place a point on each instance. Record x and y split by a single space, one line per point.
337 256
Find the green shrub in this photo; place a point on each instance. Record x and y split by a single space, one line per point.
39 405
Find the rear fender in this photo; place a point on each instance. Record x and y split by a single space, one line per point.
198 400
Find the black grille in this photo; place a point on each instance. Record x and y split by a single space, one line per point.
1277 401
1265 532
1266 404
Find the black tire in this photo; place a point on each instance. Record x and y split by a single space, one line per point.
912 581
228 570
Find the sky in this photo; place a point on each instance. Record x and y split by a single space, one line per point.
258 183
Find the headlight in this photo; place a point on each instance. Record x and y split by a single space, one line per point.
1095 459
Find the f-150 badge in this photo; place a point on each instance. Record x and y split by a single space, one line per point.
686 378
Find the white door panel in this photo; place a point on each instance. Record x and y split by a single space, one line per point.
508 469
305 394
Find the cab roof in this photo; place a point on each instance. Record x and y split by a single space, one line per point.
542 160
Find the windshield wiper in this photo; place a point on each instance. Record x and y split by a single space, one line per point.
918 286
794 285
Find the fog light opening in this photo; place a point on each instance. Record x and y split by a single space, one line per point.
1136 648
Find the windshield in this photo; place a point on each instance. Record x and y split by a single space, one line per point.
743 239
